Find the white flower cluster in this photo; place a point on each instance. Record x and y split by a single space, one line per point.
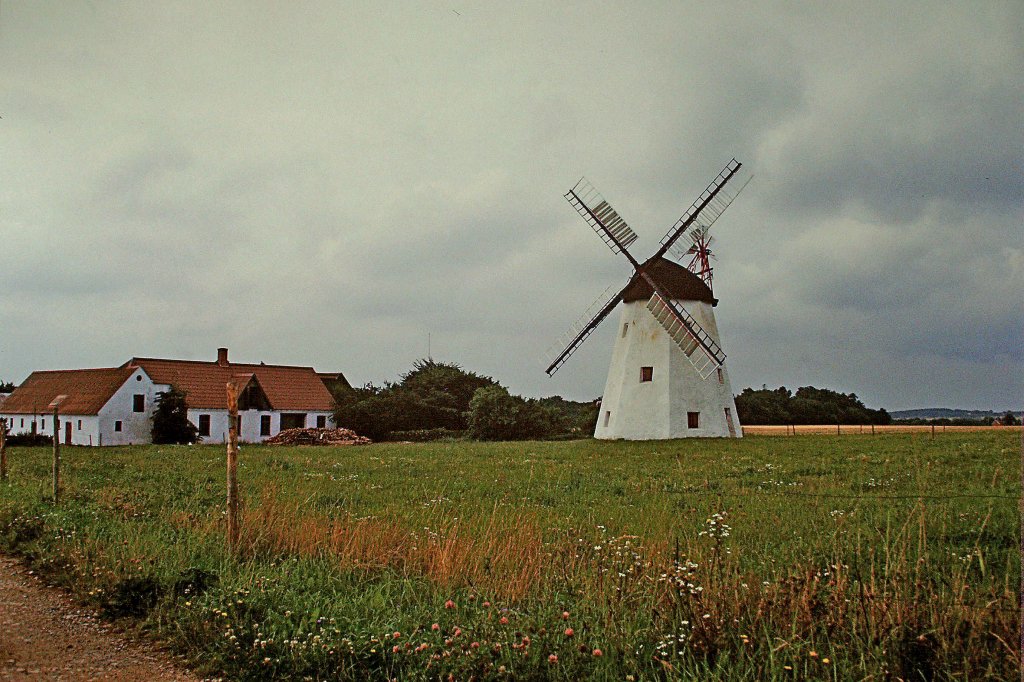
716 527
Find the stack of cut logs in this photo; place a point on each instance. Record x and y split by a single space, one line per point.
317 437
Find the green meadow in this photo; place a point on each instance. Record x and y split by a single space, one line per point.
893 556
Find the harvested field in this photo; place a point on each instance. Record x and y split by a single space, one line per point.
852 429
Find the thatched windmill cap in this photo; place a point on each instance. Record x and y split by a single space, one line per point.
680 283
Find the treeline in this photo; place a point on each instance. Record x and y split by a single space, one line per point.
437 400
809 405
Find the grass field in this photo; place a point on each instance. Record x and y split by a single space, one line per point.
814 557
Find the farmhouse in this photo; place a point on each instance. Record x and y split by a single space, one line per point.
114 406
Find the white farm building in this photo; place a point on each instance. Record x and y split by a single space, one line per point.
114 406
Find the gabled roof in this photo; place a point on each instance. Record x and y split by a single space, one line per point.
680 283
286 387
87 390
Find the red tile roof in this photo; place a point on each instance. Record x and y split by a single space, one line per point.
87 390
287 388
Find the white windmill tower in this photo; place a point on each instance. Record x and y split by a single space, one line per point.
667 377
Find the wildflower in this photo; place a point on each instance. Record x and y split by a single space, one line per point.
458 631
449 604
568 632
598 653
435 627
395 649
565 615
475 645
553 659
487 604
813 654
825 661
504 620
397 635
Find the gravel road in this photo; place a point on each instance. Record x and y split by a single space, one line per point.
45 636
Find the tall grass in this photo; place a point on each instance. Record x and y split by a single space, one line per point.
886 557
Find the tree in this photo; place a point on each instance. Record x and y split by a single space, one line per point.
494 414
170 419
433 395
809 405
7 387
1009 419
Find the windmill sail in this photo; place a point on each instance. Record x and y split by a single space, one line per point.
706 202
601 217
697 345
681 249
584 327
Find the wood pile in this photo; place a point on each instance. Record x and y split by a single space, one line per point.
317 437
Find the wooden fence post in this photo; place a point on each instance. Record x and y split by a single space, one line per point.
56 454
3 450
232 466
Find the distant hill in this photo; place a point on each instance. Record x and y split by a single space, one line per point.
946 413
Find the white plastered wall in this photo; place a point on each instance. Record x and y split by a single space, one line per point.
251 423
136 427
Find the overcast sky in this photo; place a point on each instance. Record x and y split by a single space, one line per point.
328 184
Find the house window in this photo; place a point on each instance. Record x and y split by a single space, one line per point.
265 425
625 328
321 421
693 420
646 374
117 425
204 425
721 376
138 403
79 424
22 423
296 420
607 418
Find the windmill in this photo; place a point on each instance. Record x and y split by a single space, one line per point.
660 379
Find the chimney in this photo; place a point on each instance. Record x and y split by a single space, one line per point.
222 357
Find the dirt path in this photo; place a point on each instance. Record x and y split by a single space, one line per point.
45 636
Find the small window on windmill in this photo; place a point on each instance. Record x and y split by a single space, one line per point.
625 328
117 426
721 376
139 402
693 420
79 424
646 374
607 418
